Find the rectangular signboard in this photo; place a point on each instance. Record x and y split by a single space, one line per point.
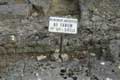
63 25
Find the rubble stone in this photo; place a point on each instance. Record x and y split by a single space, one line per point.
65 57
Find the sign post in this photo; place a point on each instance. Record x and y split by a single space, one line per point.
61 43
62 25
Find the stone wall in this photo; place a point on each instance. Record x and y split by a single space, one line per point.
100 20
98 28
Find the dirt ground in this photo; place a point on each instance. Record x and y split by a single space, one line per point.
11 58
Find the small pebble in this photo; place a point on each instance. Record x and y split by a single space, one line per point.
74 78
63 71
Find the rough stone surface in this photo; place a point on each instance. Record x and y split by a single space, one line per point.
98 33
115 49
55 57
96 28
65 57
28 69
64 7
49 7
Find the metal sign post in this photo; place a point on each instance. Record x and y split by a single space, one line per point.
61 43
61 46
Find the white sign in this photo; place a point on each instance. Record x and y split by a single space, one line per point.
63 25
